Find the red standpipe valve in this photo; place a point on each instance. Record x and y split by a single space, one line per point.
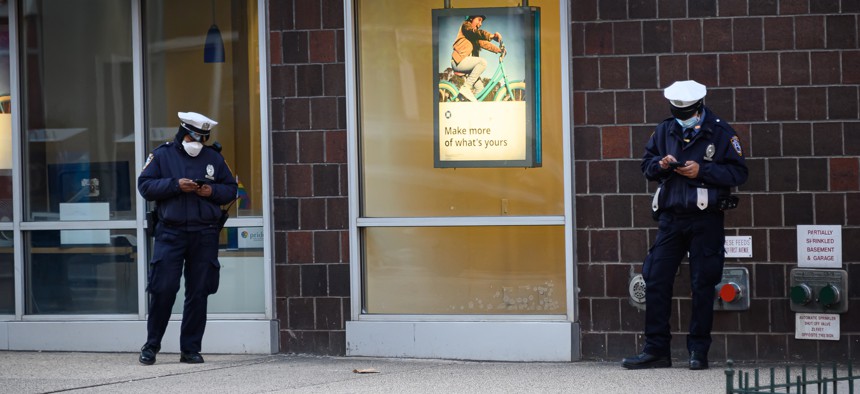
730 292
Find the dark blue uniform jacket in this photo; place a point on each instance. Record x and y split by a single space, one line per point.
159 181
716 148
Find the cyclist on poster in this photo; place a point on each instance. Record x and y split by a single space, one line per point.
466 55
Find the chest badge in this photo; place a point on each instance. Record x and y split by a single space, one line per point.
210 172
709 152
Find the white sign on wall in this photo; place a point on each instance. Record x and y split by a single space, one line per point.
820 326
819 246
739 246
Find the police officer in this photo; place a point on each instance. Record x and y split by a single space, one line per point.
189 182
696 158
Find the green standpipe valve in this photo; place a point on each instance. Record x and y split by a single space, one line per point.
829 296
801 294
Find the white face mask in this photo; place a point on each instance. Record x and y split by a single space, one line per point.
193 148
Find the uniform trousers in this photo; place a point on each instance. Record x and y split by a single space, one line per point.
702 235
196 253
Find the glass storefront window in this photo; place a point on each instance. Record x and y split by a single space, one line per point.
5 119
81 272
465 270
77 142
78 123
468 267
180 80
396 124
7 267
240 289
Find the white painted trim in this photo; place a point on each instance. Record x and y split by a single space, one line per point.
81 224
462 318
254 221
355 247
140 150
462 221
17 168
490 341
569 181
266 158
222 336
567 147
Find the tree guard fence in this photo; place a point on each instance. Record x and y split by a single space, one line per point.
801 380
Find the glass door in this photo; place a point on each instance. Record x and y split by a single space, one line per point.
185 74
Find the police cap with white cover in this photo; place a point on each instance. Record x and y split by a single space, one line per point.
685 97
196 122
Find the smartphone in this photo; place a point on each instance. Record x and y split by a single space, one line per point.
201 181
675 164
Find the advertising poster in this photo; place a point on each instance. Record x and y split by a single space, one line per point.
487 96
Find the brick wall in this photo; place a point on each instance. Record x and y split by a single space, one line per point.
785 74
309 174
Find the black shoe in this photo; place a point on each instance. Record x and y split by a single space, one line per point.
147 354
191 358
644 360
698 360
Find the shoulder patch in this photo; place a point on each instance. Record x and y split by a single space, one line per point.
148 160
736 142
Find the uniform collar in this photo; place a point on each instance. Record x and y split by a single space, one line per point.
708 120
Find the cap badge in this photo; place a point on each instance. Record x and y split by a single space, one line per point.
206 126
709 152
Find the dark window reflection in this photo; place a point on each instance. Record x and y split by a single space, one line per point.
77 109
81 272
7 274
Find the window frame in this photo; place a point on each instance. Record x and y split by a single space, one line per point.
358 222
19 227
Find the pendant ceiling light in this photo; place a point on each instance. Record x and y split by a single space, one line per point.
213 50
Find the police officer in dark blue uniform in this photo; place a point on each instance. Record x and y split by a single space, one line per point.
696 158
189 182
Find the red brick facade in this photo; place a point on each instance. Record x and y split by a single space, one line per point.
785 74
308 106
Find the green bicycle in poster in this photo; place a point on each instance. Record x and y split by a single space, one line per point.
497 88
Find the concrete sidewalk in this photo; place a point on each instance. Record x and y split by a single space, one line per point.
41 372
